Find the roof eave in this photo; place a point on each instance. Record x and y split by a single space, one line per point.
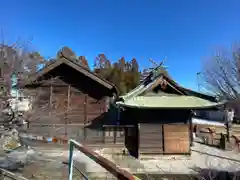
155 107
33 79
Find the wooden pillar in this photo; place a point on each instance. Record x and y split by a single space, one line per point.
135 140
191 128
50 106
103 134
68 99
106 105
163 138
51 99
67 109
114 134
85 114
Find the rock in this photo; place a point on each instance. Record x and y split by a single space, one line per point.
18 156
11 140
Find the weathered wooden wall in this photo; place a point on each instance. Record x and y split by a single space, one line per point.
59 103
64 104
164 139
150 138
160 131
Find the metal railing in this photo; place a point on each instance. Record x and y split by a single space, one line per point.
109 166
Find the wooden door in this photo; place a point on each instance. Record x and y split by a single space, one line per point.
176 139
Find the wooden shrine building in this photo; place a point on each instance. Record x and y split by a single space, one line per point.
157 116
65 92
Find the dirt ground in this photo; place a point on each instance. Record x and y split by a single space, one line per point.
51 167
202 156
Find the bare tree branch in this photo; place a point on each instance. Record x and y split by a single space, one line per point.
15 62
220 74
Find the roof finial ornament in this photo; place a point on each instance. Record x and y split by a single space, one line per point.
154 62
157 68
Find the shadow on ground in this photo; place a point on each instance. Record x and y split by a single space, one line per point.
203 174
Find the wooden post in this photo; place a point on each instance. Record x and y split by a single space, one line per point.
50 104
103 134
163 138
85 114
228 132
67 109
68 98
191 128
114 134
138 140
51 99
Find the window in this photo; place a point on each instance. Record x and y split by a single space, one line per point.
120 133
109 132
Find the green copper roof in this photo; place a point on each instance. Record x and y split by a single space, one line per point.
186 102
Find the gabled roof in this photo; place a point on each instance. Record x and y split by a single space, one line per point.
75 67
155 77
184 98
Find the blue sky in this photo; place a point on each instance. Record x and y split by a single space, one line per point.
184 31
